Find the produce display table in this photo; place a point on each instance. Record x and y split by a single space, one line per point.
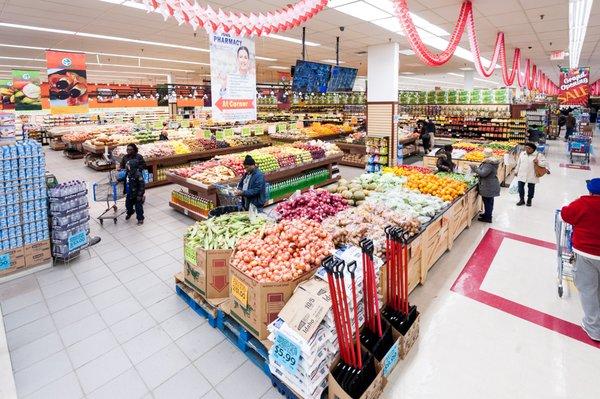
328 137
209 192
153 164
406 143
354 149
74 149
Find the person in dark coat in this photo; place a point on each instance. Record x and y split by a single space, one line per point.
252 187
426 132
136 187
571 124
132 153
489 185
444 159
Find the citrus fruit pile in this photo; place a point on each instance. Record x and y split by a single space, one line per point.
445 188
406 170
474 156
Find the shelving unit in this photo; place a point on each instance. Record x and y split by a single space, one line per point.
355 149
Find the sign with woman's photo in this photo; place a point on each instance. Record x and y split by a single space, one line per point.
67 82
233 77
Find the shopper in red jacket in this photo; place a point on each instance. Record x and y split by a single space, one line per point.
584 215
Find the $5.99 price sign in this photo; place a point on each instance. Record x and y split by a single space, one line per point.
286 353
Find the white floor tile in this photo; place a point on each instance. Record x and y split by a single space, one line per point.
102 285
132 326
42 373
199 341
186 384
133 272
167 308
25 316
20 301
53 275
66 387
110 297
123 263
66 299
82 329
248 381
226 355
128 385
162 365
160 261
154 294
146 344
35 351
120 311
142 284
99 371
60 287
114 255
29 332
91 348
94 275
73 313
148 254
182 323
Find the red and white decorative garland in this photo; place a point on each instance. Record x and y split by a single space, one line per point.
296 14
238 23
531 79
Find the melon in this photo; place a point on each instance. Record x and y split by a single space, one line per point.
359 195
347 194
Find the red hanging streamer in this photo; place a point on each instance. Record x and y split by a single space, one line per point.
531 78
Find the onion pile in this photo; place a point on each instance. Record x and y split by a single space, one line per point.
283 252
314 204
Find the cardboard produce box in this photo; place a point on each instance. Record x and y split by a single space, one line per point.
207 271
37 253
373 391
255 305
11 261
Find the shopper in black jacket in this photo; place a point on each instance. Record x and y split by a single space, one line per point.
444 159
136 188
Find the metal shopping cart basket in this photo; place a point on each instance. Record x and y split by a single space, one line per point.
228 201
565 257
580 147
109 191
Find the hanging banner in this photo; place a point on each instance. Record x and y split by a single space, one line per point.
67 82
27 90
574 86
7 99
233 78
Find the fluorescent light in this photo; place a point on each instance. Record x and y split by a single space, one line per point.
23 59
363 10
291 40
128 3
392 24
455 74
466 69
579 15
407 52
427 26
263 59
432 80
97 36
487 81
141 67
21 66
332 61
278 67
407 73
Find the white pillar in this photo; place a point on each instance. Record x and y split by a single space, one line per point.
169 78
469 75
382 96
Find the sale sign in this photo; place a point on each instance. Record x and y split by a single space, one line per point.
67 82
574 86
233 78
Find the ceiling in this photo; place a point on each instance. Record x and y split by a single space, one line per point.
519 19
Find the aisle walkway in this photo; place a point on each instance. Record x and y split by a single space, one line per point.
110 325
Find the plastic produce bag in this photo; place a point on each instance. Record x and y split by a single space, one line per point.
514 187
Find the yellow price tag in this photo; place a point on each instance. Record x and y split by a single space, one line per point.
239 290
190 255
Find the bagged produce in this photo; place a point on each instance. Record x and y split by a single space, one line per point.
223 232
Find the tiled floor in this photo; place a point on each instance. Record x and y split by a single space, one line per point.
110 325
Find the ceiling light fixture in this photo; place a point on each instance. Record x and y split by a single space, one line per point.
455 74
291 40
579 15
407 52
407 73
332 61
279 67
466 69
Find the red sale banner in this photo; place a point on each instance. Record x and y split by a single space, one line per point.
574 86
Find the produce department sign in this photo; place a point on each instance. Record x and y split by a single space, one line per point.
574 86
26 90
233 78
67 81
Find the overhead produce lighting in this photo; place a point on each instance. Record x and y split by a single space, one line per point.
332 61
291 40
384 15
279 67
407 73
579 15
407 52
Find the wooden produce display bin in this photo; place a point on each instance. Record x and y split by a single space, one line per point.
352 148
458 217
209 192
430 161
434 242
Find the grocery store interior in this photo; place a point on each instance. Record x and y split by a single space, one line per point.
299 199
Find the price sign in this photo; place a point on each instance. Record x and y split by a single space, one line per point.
259 131
77 240
219 135
190 255
281 127
137 119
4 261
390 360
228 133
246 132
157 124
239 291
185 123
286 352
179 118
207 134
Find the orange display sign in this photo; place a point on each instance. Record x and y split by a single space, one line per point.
67 81
574 86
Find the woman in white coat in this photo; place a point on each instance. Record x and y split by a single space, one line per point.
526 172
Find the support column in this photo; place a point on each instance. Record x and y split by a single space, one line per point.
382 95
469 75
172 96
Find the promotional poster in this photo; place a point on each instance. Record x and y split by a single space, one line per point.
67 82
233 78
574 86
27 90
7 98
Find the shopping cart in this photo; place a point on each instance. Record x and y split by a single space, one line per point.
109 191
228 200
565 257
580 147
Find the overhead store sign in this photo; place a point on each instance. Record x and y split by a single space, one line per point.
558 55
233 77
27 90
574 88
67 82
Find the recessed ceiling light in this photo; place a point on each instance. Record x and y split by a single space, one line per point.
332 61
407 52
